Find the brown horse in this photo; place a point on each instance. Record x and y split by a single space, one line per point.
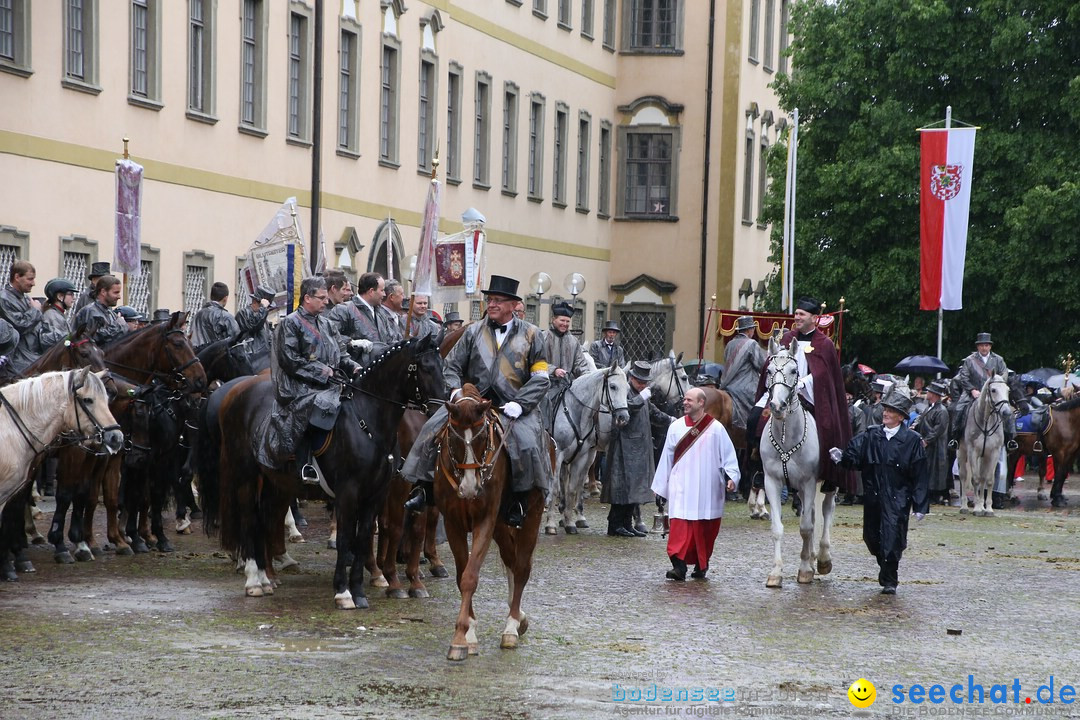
471 476
1061 441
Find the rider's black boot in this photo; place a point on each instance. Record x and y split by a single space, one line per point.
517 508
422 497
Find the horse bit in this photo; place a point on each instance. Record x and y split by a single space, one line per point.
605 407
486 466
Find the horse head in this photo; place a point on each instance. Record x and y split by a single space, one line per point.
781 378
181 360
669 381
425 371
470 440
89 411
995 394
855 381
613 395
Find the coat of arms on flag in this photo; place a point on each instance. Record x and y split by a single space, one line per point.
945 181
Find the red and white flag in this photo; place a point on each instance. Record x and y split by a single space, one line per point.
944 201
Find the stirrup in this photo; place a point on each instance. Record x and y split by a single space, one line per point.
309 475
1011 446
419 499
953 444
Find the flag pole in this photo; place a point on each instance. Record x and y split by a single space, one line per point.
940 310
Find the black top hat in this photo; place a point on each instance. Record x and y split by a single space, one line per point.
562 309
263 293
452 317
983 338
100 269
938 388
500 285
641 370
899 401
612 325
162 314
809 304
744 323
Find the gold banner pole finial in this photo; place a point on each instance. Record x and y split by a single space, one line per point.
126 156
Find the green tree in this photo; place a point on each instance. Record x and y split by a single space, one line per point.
865 76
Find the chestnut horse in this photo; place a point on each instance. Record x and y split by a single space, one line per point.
471 476
1061 441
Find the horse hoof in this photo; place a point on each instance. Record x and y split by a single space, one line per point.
360 603
774 581
396 593
1059 501
164 546
581 523
84 555
297 539
267 588
331 544
344 601
124 550
458 653
140 547
64 558
963 510
97 552
25 566
379 581
509 641
419 593
1043 495
8 575
38 540
523 625
474 649
570 529
824 567
988 513
978 513
551 530
439 571
805 576
254 591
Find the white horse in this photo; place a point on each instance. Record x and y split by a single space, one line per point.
984 436
583 427
668 381
37 410
789 454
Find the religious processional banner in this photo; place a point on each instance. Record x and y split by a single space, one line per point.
276 259
126 255
766 323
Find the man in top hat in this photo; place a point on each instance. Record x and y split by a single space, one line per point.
816 356
213 322
974 371
629 468
59 297
160 315
97 270
452 322
895 482
933 426
504 358
696 467
743 360
566 359
24 315
101 314
607 349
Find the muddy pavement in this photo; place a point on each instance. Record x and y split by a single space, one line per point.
172 635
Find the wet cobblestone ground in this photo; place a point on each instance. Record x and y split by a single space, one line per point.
172 636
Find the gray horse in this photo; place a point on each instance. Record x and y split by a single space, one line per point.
583 427
789 454
984 436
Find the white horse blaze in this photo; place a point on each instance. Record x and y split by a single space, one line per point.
469 487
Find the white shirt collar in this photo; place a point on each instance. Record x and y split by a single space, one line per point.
890 432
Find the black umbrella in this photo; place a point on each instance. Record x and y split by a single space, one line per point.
1043 374
921 364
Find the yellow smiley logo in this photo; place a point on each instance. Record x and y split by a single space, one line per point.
862 693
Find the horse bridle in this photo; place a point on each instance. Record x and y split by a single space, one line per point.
995 413
64 439
605 402
419 400
777 378
174 374
489 428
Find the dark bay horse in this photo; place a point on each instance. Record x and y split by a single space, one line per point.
1061 441
471 476
250 501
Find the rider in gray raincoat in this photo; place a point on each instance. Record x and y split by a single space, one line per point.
743 360
566 359
504 358
213 322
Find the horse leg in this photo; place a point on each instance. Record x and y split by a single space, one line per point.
1062 463
807 492
516 549
772 491
572 483
392 523
557 502
435 565
159 490
295 536
110 495
468 579
824 559
363 549
417 529
344 515
963 465
63 502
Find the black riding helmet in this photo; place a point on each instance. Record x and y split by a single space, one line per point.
57 286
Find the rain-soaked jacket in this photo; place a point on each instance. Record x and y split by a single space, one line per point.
212 323
630 467
109 325
16 308
743 360
517 372
306 351
562 351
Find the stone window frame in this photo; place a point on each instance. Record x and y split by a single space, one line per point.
632 9
20 61
511 109
349 78
150 99
649 115
203 259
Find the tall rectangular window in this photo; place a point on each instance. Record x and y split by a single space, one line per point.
7 30
763 175
145 54
253 66
609 24
453 124
388 105
748 175
558 184
536 147
648 173
201 56
482 131
80 44
509 138
76 58
349 92
140 17
299 105
785 17
755 30
425 116
540 8
564 14
603 195
653 24
770 12
584 141
587 12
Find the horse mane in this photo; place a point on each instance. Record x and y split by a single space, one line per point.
33 397
468 390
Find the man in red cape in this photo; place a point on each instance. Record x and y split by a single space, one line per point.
823 393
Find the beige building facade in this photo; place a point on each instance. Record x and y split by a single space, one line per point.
586 131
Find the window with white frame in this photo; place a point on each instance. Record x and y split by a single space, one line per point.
509 138
648 160
652 26
763 159
603 194
298 109
536 146
253 67
453 124
755 31
15 36
81 45
482 131
348 141
748 172
560 151
588 10
785 18
540 8
145 72
564 14
425 120
584 141
202 29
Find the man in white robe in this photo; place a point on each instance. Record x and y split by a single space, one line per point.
698 456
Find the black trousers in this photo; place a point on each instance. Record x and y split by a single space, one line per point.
885 535
620 516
